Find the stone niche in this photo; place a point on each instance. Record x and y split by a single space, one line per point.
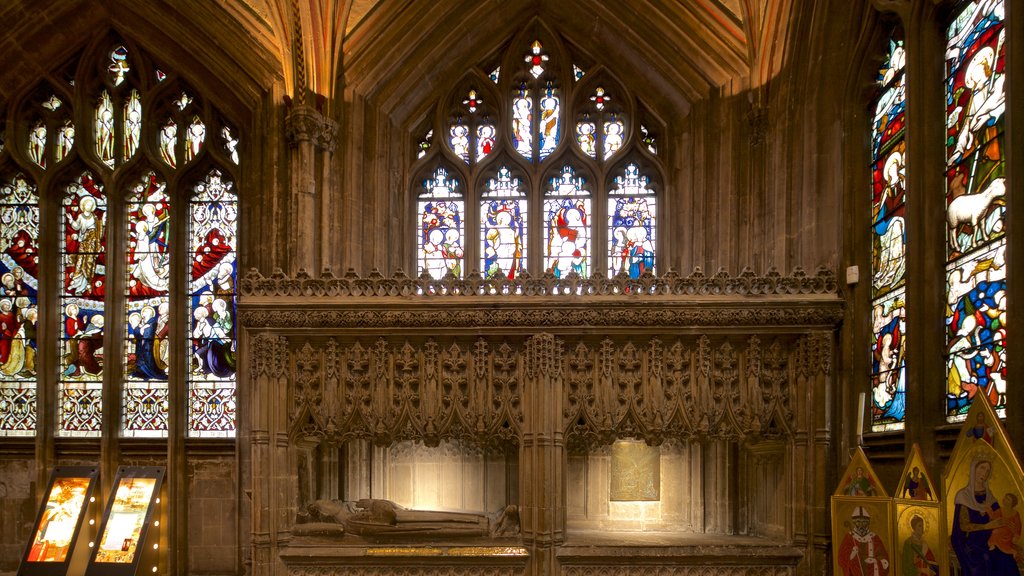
453 476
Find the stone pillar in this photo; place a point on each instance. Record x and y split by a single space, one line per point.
269 452
542 459
813 477
312 137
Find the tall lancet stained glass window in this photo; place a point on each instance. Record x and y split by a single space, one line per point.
532 139
19 305
888 244
976 209
118 331
567 215
82 301
441 226
212 307
503 226
632 213
147 309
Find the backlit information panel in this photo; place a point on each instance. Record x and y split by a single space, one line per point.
68 504
129 532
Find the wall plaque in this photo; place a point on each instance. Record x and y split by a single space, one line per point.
636 472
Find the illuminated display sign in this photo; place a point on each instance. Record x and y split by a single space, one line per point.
59 523
127 517
65 524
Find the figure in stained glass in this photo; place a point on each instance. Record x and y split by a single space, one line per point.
503 231
85 213
230 143
460 140
169 142
889 228
195 135
976 330
213 244
503 227
567 229
888 388
522 122
37 144
585 136
484 140
976 97
105 130
631 225
142 328
65 140
550 122
612 136
132 124
440 227
148 256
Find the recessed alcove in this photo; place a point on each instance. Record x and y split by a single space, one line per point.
455 475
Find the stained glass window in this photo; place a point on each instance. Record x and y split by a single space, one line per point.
19 306
503 226
632 210
212 307
147 309
122 359
509 141
567 225
440 228
976 206
83 255
888 242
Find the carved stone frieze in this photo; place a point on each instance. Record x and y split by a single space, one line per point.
654 389
394 391
683 389
652 315
351 285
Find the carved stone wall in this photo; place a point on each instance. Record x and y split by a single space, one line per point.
549 369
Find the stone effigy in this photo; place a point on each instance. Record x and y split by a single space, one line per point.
382 520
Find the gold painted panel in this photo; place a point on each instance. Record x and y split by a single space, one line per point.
982 488
919 536
635 472
862 535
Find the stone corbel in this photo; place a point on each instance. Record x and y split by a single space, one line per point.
307 124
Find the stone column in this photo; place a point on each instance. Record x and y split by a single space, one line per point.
268 453
312 137
813 476
542 458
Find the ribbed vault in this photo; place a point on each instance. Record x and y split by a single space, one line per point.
676 52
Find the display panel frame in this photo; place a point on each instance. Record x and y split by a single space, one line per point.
77 551
135 497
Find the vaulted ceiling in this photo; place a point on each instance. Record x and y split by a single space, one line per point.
682 50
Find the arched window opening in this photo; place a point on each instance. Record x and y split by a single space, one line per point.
527 128
150 158
976 209
888 243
